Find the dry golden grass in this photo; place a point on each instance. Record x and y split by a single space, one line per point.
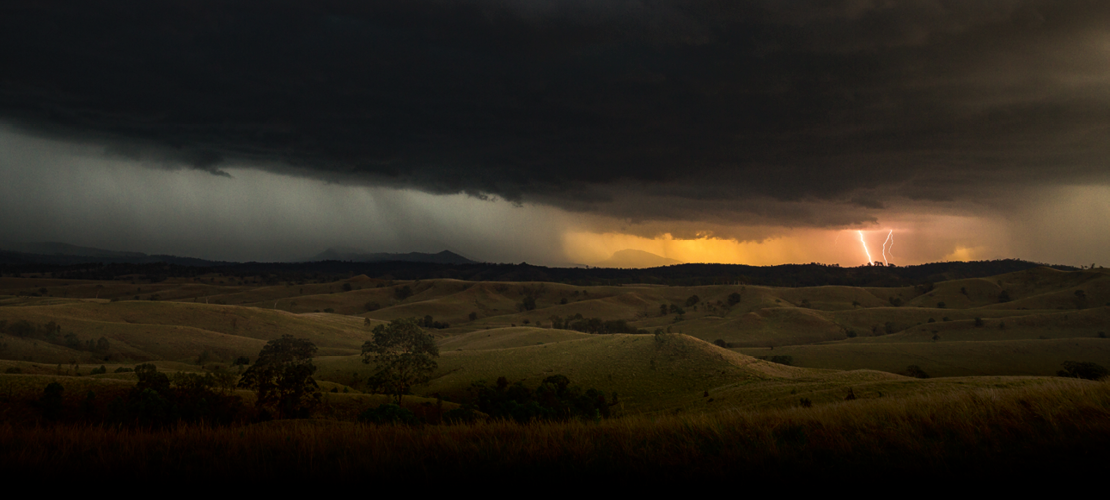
505 338
1054 432
154 330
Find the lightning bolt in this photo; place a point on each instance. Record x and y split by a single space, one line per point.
889 239
864 243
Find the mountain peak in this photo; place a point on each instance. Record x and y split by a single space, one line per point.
444 257
638 259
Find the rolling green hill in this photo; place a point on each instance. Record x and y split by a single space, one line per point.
840 339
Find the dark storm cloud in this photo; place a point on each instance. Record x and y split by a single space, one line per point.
713 103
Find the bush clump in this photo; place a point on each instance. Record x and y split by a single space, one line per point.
554 399
594 325
388 413
916 372
782 360
157 401
1084 370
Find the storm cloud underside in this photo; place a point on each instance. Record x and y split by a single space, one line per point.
818 114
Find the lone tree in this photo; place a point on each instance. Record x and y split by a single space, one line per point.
282 377
403 355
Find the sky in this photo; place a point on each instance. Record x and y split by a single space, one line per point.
558 132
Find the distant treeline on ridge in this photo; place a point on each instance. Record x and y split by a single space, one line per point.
788 275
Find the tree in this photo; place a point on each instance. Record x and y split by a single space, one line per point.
1080 299
403 355
282 377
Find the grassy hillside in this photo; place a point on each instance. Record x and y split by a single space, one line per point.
948 359
1017 324
155 330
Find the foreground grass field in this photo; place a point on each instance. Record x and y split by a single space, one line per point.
1046 433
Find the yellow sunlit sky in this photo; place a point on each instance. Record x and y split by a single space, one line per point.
913 240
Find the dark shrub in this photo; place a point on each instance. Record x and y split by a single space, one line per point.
1084 370
388 413
51 401
916 372
461 415
782 360
554 399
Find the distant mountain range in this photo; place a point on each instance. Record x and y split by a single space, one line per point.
444 257
65 254
636 259
55 249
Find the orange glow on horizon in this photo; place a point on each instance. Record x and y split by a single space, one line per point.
940 239
591 248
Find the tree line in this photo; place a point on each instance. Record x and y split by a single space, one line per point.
51 332
787 275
